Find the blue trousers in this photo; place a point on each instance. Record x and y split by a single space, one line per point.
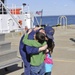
26 63
38 70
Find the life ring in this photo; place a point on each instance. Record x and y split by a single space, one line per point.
20 22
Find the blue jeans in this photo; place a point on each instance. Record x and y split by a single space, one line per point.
38 70
48 73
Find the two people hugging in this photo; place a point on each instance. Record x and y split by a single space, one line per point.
37 51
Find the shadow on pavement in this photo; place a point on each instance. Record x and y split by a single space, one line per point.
72 39
22 74
9 69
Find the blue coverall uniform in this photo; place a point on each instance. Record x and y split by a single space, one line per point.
25 53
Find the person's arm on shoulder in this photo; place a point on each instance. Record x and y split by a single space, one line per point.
43 48
33 50
28 41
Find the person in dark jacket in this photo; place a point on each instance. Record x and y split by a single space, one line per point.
25 52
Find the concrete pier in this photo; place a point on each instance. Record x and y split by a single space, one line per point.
63 55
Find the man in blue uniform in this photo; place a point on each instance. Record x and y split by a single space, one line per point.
25 54
25 51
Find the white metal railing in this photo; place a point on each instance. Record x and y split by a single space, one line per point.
59 21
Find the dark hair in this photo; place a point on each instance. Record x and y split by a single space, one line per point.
40 37
37 25
50 44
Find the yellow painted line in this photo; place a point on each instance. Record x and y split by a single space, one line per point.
63 60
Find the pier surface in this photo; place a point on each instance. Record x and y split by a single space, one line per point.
63 55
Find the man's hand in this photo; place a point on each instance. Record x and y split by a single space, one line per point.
29 31
43 48
36 28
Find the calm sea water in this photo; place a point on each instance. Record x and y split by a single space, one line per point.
54 20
